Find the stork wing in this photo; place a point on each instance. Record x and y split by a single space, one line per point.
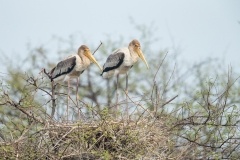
113 61
63 67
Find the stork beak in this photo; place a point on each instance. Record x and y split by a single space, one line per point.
90 56
142 57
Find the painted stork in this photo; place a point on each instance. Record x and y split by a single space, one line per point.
120 61
71 67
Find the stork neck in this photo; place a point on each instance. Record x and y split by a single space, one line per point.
80 55
133 54
86 61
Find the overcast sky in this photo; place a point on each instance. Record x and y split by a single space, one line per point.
206 28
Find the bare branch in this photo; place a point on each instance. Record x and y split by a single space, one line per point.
97 47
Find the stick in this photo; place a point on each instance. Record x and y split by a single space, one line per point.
53 94
53 101
97 47
169 100
44 71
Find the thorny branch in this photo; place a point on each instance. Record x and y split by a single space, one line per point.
18 106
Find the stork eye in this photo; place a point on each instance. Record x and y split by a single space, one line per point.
137 46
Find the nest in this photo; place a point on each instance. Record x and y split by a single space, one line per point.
95 140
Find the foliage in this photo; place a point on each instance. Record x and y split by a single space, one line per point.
175 112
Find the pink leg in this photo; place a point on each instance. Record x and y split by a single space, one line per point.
126 95
77 98
68 98
117 94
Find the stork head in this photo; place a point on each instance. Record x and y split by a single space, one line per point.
135 45
84 50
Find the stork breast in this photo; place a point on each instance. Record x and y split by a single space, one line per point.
124 69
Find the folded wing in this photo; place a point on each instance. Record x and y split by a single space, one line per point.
64 67
113 61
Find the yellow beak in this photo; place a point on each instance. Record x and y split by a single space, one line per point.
90 56
142 57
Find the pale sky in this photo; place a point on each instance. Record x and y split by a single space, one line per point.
206 28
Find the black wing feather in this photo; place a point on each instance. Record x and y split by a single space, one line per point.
63 67
113 61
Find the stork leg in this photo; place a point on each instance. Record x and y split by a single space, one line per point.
68 98
117 93
127 95
77 98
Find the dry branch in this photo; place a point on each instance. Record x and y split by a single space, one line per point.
18 106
